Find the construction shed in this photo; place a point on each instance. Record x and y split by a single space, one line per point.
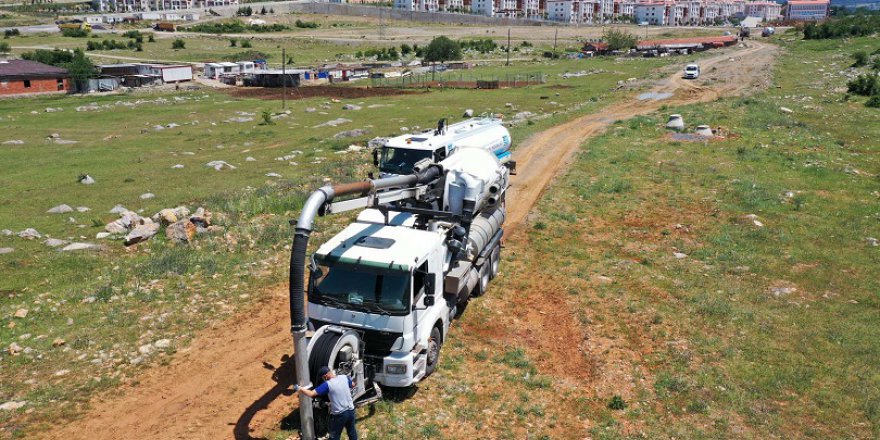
273 78
693 43
23 77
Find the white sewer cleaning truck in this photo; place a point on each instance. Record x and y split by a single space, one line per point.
397 156
383 292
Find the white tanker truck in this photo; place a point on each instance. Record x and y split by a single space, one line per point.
397 156
383 292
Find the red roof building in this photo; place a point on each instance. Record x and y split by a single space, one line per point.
23 77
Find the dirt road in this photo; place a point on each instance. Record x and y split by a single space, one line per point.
233 381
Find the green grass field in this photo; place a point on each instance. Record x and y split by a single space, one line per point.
753 331
107 304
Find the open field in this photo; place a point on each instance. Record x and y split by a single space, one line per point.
106 305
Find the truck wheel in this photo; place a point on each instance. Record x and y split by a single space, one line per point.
495 262
485 276
434 345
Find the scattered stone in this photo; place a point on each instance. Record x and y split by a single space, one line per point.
249 159
351 133
80 247
351 107
146 349
13 405
469 113
146 196
508 104
166 216
118 209
6 250
14 349
60 209
55 242
355 148
141 233
754 219
219 165
873 241
61 373
181 232
86 179
14 142
679 255
162 343
177 167
6 232
240 119
29 234
83 209
333 123
21 313
782 291
311 109
273 175
201 218
102 235
58 342
89 300
786 110
116 227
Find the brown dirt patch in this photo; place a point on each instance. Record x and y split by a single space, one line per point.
306 92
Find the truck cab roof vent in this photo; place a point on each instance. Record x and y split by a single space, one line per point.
375 242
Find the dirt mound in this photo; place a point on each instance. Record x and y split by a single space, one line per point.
305 92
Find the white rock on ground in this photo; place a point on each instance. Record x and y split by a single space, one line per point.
29 234
786 110
102 235
177 167
87 180
83 209
21 313
80 247
6 250
146 349
469 113
162 343
146 196
141 233
679 255
249 159
872 241
13 405
333 123
219 165
273 175
118 209
14 142
55 242
6 232
60 209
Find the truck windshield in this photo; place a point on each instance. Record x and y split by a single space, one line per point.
361 289
400 160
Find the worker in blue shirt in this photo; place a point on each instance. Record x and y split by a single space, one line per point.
338 388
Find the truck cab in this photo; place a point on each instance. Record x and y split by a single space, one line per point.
385 280
398 155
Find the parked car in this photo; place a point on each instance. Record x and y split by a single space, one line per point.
692 71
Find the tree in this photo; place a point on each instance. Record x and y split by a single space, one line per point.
246 44
178 44
263 11
5 47
442 49
233 42
80 69
620 40
405 49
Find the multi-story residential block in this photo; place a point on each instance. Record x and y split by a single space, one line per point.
652 13
807 10
483 7
406 5
766 11
562 10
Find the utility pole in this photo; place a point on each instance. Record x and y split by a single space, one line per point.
283 79
508 47
554 39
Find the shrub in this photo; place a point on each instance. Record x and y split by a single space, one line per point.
482 45
306 24
5 47
246 44
865 85
132 34
860 58
616 403
874 102
620 39
75 33
11 33
178 44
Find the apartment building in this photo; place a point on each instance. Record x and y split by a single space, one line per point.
807 10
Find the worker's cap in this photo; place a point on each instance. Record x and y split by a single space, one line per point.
323 371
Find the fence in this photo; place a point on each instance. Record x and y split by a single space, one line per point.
461 80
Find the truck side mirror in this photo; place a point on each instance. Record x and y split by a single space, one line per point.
376 156
429 300
429 284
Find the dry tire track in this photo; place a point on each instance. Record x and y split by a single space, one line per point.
232 381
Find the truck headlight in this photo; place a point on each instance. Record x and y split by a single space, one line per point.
395 369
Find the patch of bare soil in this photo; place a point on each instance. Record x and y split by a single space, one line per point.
233 381
306 92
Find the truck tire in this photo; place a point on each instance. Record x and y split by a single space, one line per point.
485 276
435 343
495 262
